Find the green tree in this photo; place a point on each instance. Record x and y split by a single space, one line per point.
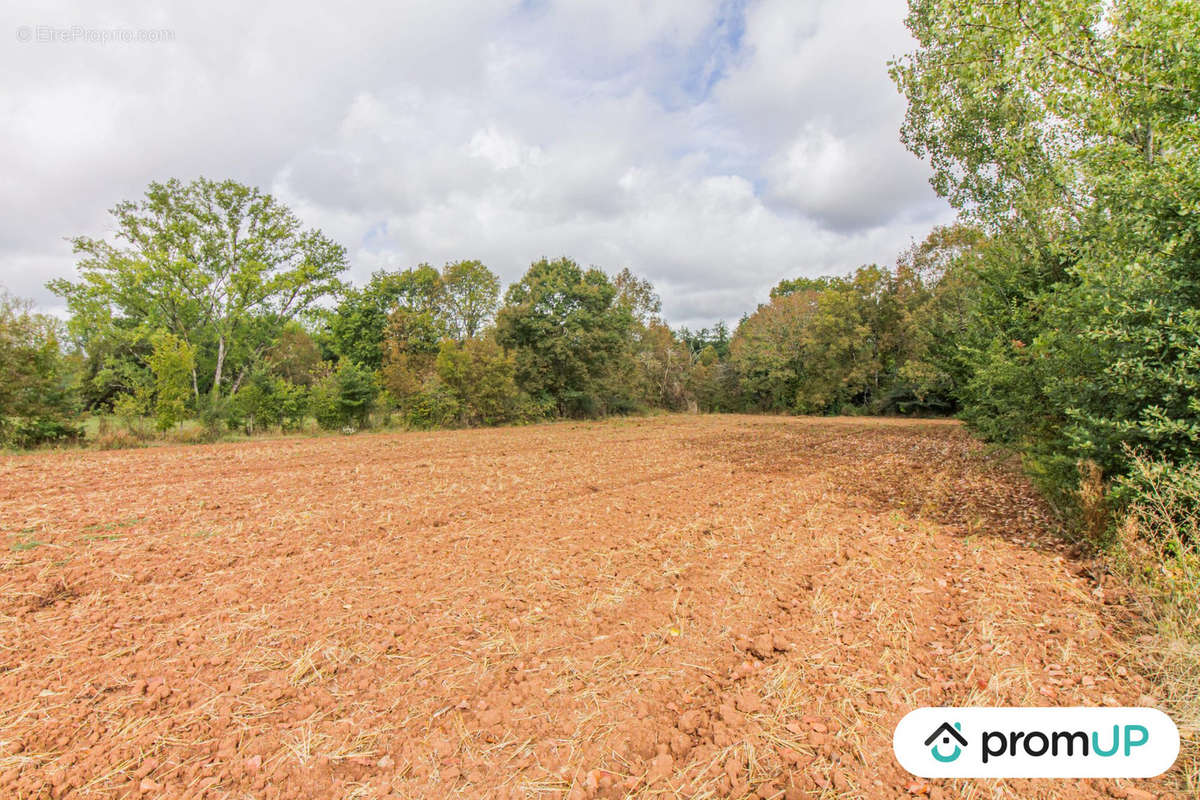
220 265
663 364
267 400
718 338
568 335
171 361
358 326
411 346
482 378
39 380
294 356
356 393
767 350
819 284
1067 129
470 293
941 276
638 296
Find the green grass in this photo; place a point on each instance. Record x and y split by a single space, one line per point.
109 526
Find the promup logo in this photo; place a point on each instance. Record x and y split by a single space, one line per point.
1036 742
945 732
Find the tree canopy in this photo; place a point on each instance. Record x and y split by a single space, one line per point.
220 265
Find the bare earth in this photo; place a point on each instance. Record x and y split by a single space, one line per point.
668 607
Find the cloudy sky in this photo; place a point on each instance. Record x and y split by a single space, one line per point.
714 147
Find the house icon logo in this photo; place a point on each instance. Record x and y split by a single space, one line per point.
945 732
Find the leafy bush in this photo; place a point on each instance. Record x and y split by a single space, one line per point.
435 406
43 431
213 416
356 393
270 401
323 403
171 362
344 397
482 378
1163 501
38 380
131 408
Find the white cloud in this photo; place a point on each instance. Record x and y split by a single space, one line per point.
713 147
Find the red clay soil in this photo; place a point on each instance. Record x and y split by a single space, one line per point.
679 606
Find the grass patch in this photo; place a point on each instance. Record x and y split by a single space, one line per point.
1158 550
111 526
100 537
27 544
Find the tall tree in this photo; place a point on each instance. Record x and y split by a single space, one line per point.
1068 130
221 265
470 293
358 325
638 295
567 333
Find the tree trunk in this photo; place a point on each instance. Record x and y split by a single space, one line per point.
216 390
238 381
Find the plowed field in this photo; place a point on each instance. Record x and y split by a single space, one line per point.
676 606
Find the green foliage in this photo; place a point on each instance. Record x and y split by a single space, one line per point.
38 381
470 293
820 284
356 393
219 265
482 379
638 297
357 327
1068 130
39 431
344 397
295 355
267 401
171 362
323 402
434 406
457 302
567 332
663 367
717 338
410 348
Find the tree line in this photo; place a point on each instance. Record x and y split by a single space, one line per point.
213 302
1058 316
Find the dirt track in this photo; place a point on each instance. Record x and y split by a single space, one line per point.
678 606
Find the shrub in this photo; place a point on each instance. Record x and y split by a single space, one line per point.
131 408
344 397
268 401
482 378
1160 540
115 439
44 431
212 415
323 403
435 406
171 362
1163 508
356 393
